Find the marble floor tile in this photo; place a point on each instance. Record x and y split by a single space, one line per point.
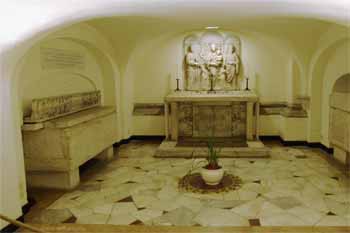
231 196
168 192
249 209
245 195
123 208
336 207
81 211
343 197
268 209
93 219
163 205
282 219
287 202
178 217
224 204
104 209
296 186
142 201
53 216
255 187
333 221
190 203
121 219
147 214
316 203
220 217
311 217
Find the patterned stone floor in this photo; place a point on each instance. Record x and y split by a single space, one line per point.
295 187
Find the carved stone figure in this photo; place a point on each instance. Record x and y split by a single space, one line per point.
211 59
232 66
193 68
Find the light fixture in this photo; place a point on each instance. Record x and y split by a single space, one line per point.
211 27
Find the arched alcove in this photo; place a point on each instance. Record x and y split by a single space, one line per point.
342 84
107 71
339 120
319 98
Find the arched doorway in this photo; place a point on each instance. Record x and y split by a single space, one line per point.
328 64
339 124
27 81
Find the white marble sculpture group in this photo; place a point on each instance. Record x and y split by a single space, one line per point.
212 62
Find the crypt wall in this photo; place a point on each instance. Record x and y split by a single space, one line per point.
60 80
34 80
337 66
154 65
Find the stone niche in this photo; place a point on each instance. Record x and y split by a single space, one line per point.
212 61
212 106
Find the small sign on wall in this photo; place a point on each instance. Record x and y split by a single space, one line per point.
54 58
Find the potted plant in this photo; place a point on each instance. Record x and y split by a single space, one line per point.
212 173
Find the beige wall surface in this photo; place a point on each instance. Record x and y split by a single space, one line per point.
37 81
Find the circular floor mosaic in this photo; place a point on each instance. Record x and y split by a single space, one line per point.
194 183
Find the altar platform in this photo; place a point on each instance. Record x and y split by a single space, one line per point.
172 149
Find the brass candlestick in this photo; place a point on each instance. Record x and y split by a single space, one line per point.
211 83
177 85
247 84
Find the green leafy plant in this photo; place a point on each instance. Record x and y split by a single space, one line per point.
213 156
211 159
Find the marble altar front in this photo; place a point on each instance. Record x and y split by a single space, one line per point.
223 114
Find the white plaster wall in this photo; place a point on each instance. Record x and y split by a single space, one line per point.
157 59
326 44
37 82
293 129
270 125
154 66
29 81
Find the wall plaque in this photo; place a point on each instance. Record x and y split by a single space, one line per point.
54 58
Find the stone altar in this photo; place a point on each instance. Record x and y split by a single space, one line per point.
212 104
64 132
228 117
222 114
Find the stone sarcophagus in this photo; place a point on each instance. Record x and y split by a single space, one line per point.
64 132
340 126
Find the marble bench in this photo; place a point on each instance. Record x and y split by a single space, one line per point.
55 148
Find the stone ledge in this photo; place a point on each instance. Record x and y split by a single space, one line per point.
273 108
255 149
148 109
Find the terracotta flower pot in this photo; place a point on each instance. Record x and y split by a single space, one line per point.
212 176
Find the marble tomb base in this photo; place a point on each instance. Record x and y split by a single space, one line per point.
171 149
